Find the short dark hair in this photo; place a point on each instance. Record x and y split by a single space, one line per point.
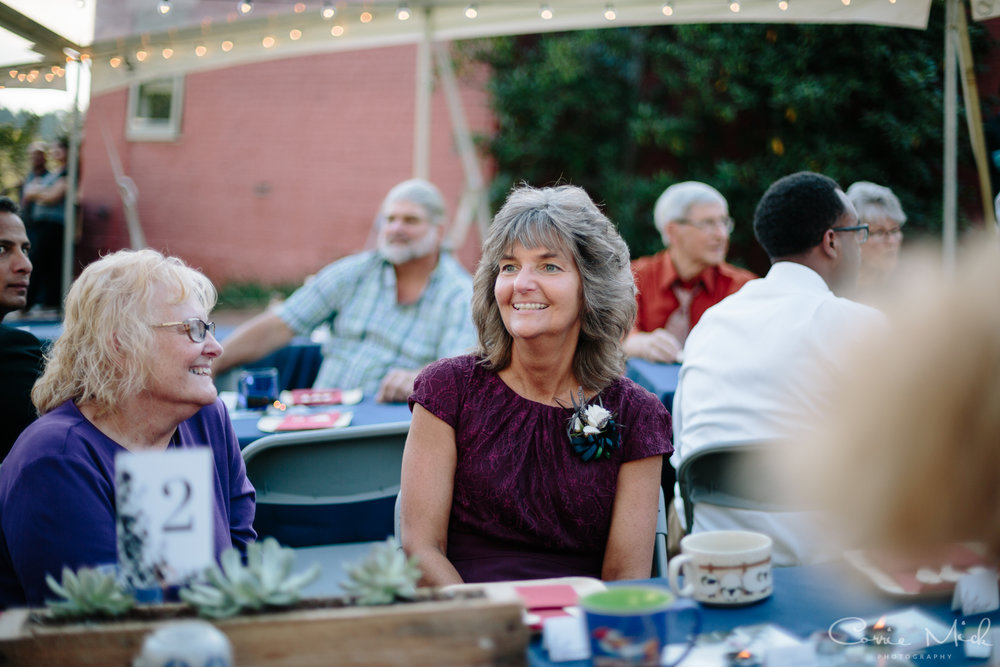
8 205
795 212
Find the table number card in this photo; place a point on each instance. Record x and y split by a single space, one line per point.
164 520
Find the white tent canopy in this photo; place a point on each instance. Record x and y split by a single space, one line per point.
134 41
197 35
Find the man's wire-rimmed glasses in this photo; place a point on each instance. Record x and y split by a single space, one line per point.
196 328
862 231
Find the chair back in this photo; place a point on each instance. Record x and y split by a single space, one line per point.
328 486
660 543
732 474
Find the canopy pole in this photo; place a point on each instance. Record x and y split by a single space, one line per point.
974 119
950 228
72 178
473 201
422 110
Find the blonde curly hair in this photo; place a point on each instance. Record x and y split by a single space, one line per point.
106 348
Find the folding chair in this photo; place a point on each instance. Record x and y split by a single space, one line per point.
660 543
732 474
329 486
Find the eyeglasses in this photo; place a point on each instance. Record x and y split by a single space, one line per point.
705 224
884 234
195 328
862 231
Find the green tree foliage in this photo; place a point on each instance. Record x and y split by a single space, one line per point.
16 134
626 112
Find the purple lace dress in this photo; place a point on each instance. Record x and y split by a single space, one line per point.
524 505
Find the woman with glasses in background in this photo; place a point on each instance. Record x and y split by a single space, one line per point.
878 208
132 371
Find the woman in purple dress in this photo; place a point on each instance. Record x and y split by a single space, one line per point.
534 457
132 371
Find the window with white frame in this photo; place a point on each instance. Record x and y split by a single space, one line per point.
154 109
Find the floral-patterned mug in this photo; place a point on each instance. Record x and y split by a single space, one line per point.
723 567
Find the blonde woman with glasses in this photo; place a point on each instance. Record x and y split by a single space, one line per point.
132 371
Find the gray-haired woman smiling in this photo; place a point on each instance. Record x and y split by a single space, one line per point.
534 457
131 371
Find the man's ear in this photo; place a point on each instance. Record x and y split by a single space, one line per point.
666 234
830 244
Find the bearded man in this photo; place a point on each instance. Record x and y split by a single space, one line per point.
391 311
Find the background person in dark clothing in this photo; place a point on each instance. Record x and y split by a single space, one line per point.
20 352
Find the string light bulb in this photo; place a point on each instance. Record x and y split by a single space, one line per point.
337 30
244 6
366 17
846 3
115 62
403 12
164 7
734 6
667 9
227 46
200 50
167 53
609 12
328 10
545 11
471 12
783 5
294 34
267 42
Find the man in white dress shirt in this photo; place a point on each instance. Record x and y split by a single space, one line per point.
758 365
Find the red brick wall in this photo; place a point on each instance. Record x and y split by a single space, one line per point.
280 167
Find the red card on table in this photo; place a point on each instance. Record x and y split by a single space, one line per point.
546 600
306 422
548 596
316 396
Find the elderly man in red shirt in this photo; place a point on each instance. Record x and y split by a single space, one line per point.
678 284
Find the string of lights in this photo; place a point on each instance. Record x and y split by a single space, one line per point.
270 25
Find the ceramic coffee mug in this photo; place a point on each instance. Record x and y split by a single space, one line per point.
186 644
723 567
628 625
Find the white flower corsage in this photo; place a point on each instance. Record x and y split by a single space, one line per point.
592 431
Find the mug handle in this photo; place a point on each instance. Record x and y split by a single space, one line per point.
673 570
679 607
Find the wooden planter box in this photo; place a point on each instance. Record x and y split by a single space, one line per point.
461 631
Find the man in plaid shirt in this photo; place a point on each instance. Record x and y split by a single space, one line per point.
390 311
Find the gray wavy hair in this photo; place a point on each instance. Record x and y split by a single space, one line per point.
873 201
105 351
562 217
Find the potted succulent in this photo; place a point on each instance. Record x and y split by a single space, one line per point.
384 619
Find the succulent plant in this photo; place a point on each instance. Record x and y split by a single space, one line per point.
384 576
265 581
88 592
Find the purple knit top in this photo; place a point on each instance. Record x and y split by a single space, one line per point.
524 505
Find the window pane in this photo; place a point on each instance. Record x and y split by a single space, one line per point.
155 100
